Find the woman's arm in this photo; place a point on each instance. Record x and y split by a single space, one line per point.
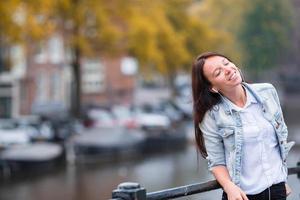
287 187
216 158
233 191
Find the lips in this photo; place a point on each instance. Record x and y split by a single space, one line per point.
233 76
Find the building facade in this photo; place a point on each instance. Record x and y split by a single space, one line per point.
40 80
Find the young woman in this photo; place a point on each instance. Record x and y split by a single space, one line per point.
240 130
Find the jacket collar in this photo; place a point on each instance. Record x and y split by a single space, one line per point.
253 92
228 109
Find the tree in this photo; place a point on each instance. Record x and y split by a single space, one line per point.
88 27
154 40
264 35
6 28
166 36
226 19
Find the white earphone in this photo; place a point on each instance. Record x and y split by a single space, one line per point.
214 90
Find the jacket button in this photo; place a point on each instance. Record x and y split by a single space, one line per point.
281 142
277 125
284 160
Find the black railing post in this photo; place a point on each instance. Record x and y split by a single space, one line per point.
298 165
129 191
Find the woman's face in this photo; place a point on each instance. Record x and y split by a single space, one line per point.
221 73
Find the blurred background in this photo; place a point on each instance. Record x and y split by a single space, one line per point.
98 92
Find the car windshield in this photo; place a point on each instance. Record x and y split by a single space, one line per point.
100 115
121 112
7 124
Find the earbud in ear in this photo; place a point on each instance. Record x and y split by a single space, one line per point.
214 90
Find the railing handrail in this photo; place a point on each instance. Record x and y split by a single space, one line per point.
133 191
196 188
184 190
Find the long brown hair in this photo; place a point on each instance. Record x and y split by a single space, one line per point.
203 98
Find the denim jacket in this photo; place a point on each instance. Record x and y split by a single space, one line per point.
223 131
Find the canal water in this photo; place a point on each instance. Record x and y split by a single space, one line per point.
91 182
154 172
95 181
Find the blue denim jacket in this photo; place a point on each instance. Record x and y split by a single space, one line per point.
223 131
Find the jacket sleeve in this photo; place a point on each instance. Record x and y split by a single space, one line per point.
275 95
289 145
213 141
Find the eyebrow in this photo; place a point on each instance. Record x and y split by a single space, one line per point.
224 60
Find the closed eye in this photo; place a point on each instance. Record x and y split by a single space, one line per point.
217 72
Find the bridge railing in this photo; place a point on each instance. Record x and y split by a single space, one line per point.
133 191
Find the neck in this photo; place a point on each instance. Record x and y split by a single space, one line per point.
236 95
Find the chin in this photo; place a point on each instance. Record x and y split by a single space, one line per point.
237 82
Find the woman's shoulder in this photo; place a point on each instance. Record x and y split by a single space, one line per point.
260 87
264 90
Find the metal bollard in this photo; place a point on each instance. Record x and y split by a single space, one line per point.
129 191
298 165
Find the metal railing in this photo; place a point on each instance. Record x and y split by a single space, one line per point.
133 191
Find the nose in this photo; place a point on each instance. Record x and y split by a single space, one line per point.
228 70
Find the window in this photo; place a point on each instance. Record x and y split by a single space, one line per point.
93 76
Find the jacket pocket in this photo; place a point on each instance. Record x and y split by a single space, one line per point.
228 138
286 147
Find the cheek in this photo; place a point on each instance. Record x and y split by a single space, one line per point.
218 81
233 65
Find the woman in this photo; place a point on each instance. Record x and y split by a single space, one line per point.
240 130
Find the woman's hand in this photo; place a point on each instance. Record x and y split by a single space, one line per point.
288 189
234 192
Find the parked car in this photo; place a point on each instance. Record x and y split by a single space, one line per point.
36 127
65 127
101 118
151 121
105 144
124 117
184 104
11 134
168 108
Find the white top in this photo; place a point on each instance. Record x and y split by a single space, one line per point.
261 162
